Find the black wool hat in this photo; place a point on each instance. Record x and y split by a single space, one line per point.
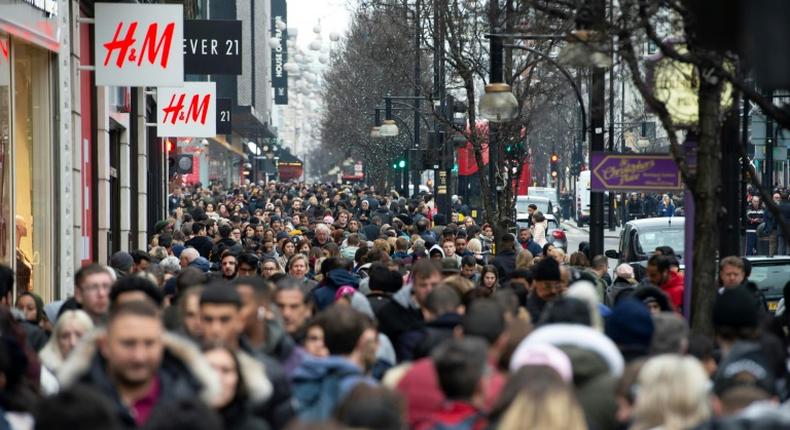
546 270
735 307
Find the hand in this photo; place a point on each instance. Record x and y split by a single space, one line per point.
179 212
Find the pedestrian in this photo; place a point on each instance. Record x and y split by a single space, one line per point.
71 327
666 208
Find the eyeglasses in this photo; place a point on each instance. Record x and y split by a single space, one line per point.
95 288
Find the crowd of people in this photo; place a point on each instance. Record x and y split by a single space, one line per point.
336 307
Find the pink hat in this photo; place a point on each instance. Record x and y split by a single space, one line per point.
329 220
542 354
345 290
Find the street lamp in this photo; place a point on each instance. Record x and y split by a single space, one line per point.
498 104
389 128
584 49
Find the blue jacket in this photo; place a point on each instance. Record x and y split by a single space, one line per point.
324 295
666 211
320 384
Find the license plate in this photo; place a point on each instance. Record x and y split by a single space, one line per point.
772 306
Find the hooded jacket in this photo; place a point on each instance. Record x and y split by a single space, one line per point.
201 263
673 287
398 317
183 374
324 295
320 384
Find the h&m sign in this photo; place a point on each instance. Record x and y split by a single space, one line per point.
139 44
188 111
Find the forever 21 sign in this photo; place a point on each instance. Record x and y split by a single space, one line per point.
212 47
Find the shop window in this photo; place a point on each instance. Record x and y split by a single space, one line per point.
32 146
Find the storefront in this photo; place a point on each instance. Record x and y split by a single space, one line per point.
29 239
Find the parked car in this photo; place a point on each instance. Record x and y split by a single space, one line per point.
770 274
543 203
640 238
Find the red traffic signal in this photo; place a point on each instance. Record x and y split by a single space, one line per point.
554 157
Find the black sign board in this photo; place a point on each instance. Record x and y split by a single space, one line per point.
212 47
223 116
279 53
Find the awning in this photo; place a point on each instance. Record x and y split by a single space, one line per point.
285 157
247 122
219 140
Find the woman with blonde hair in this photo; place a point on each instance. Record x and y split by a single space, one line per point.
540 400
524 259
673 394
69 330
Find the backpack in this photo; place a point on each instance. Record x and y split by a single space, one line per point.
317 400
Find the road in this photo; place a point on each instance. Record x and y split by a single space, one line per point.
577 235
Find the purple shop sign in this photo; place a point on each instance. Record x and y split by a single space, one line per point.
613 171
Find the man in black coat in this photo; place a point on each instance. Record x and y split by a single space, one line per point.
505 259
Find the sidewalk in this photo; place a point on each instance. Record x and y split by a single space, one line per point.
571 225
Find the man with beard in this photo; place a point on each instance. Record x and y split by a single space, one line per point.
138 367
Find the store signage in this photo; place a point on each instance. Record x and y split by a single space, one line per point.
224 116
5 61
212 47
627 172
139 45
279 53
188 111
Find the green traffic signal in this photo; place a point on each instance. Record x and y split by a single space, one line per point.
402 163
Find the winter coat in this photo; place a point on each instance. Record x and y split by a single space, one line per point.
595 387
505 263
324 295
535 307
434 333
320 384
277 409
400 316
674 287
183 374
532 247
619 285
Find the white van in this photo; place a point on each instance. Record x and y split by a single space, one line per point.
583 198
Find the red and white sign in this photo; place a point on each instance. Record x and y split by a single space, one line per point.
139 45
188 111
5 61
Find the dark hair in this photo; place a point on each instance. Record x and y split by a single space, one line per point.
381 278
343 326
425 268
190 277
600 262
485 319
197 226
442 300
662 263
261 287
666 251
333 263
224 230
138 308
128 284
184 414
249 259
468 260
139 255
371 407
219 294
80 407
240 396
566 310
460 364
165 240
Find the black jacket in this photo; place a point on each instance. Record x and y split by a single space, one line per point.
505 263
399 317
535 307
436 332
183 374
203 244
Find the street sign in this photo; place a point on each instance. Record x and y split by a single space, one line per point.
224 115
139 45
212 47
188 111
634 172
279 11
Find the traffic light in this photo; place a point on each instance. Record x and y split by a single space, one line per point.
555 165
401 163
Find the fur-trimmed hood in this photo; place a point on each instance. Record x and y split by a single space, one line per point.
259 388
182 359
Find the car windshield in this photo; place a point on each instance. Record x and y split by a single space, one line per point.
648 240
549 194
522 205
522 223
770 278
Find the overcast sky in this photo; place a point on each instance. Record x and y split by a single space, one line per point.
305 14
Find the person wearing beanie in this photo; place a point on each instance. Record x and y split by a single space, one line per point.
630 326
546 287
122 263
735 318
624 282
